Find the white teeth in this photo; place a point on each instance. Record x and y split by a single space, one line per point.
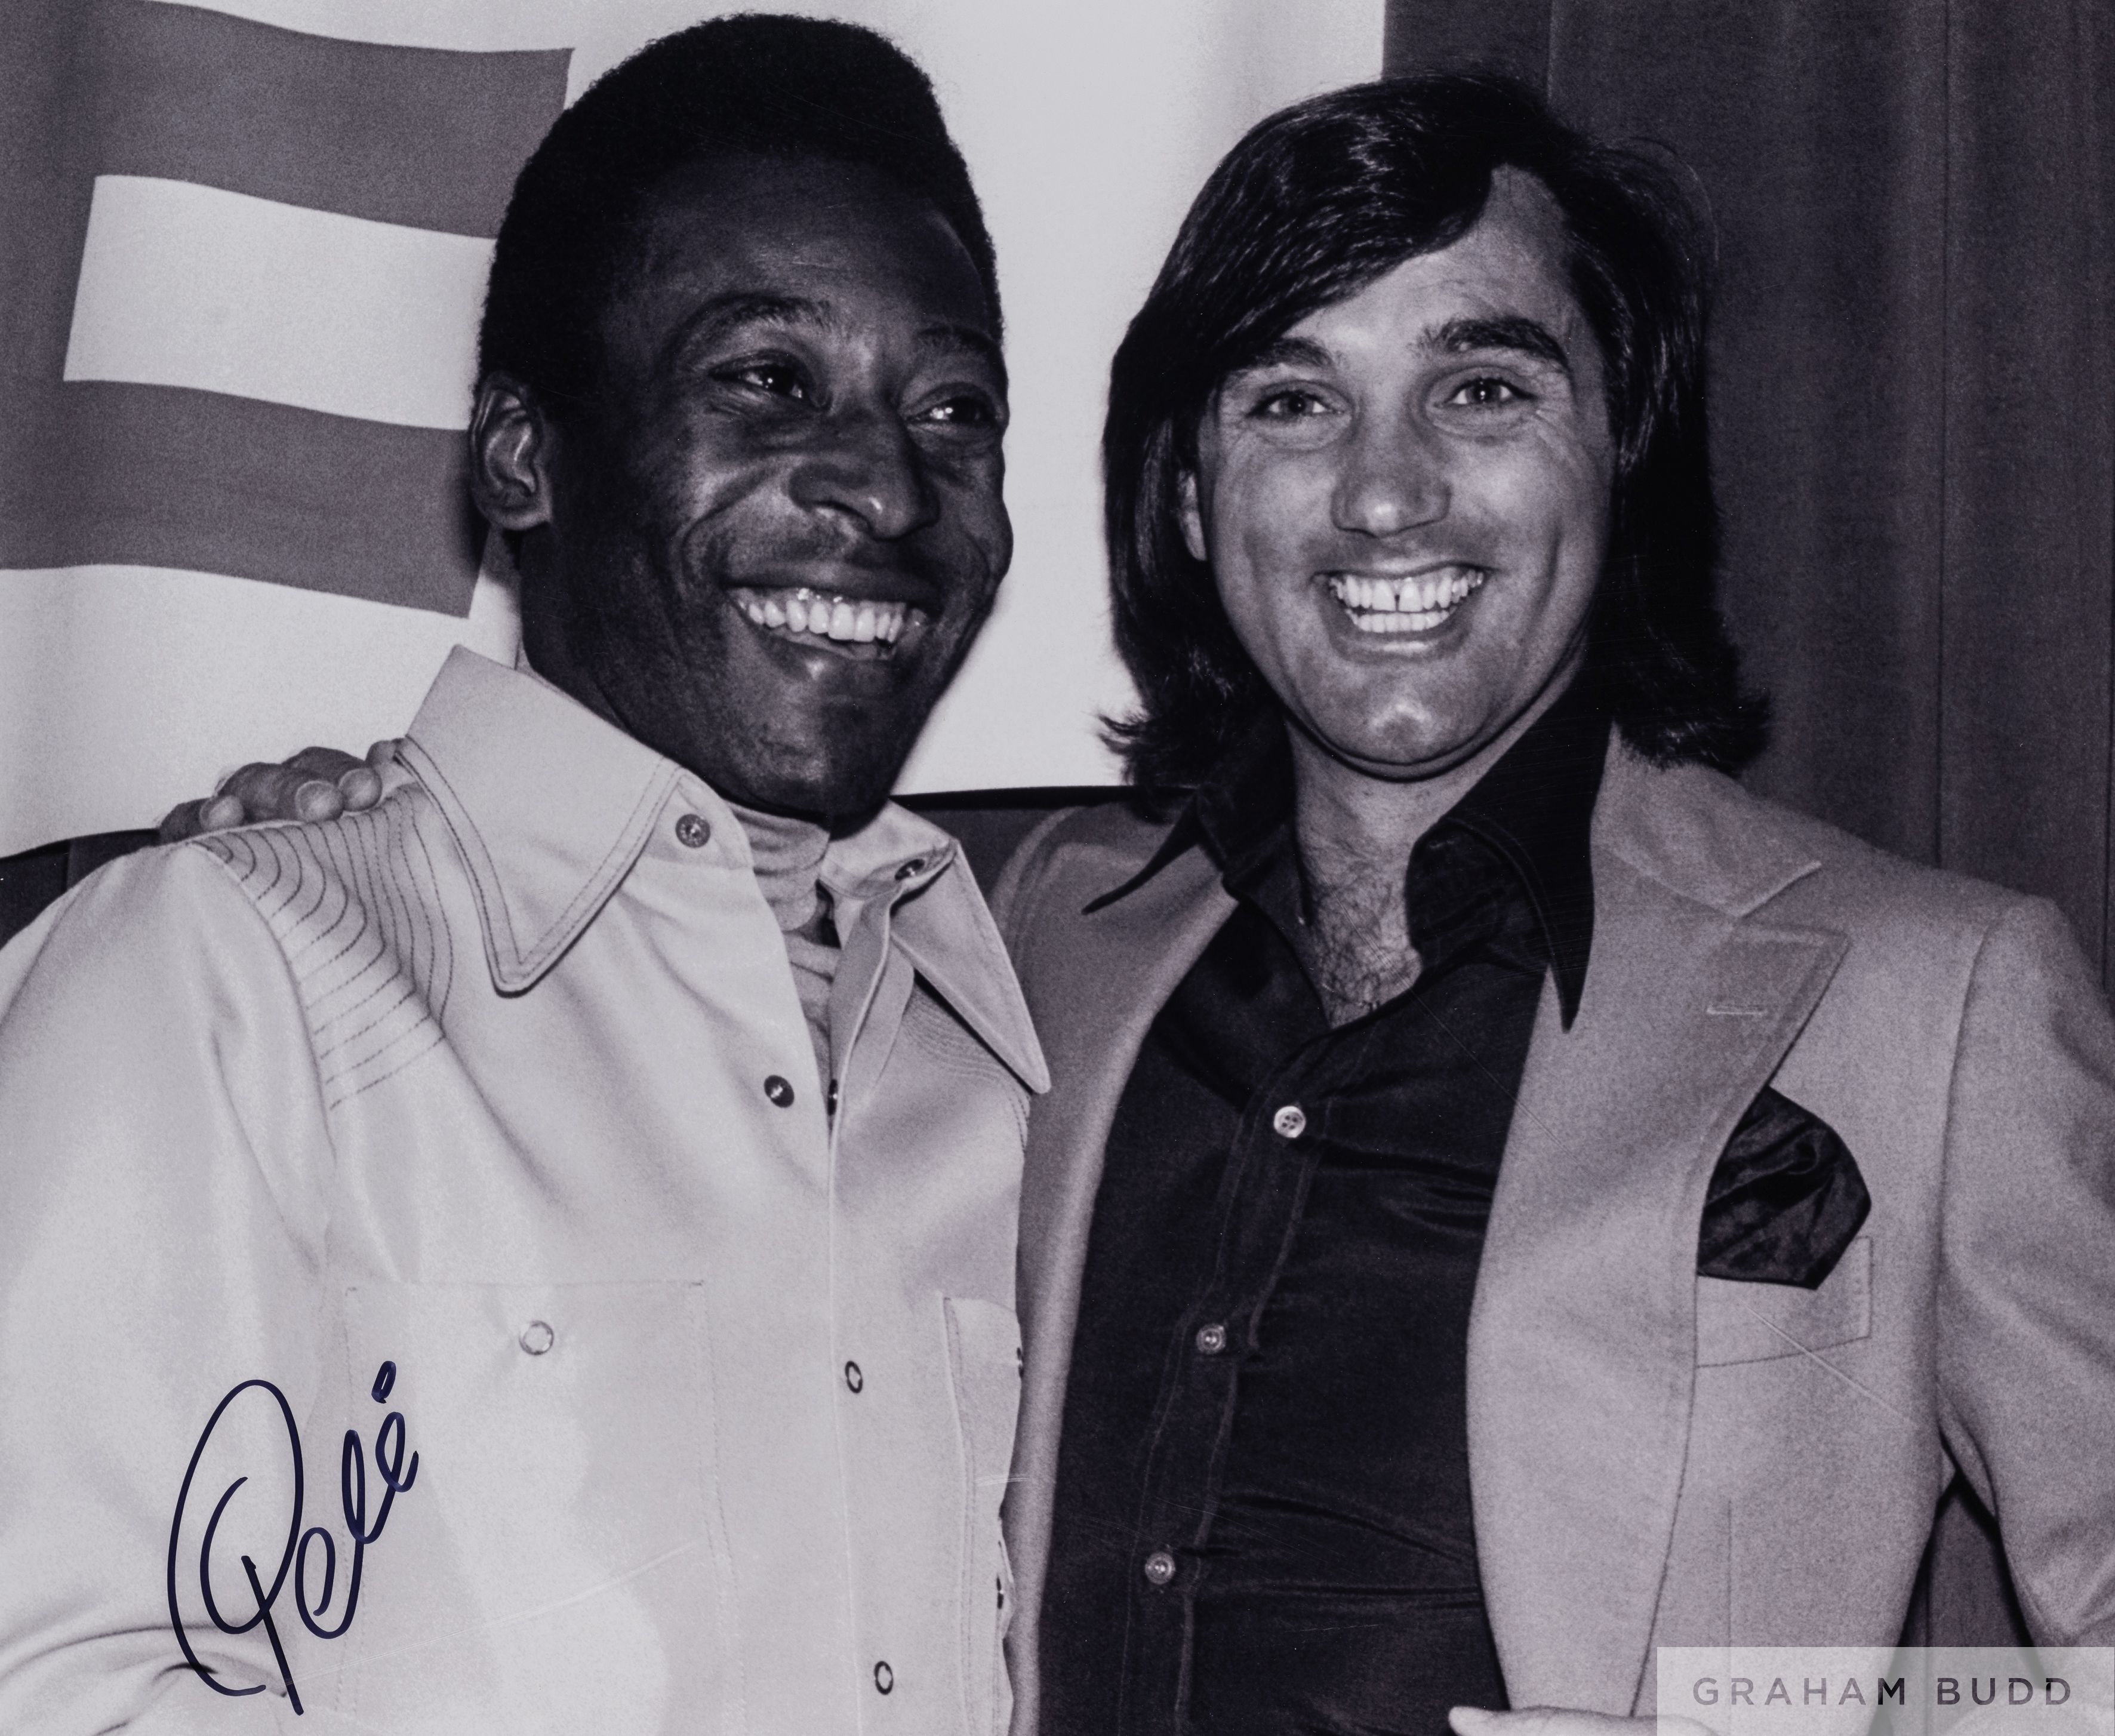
1414 605
847 619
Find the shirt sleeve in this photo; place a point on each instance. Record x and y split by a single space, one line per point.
162 1195
2026 1284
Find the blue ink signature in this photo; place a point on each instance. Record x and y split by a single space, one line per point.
396 1477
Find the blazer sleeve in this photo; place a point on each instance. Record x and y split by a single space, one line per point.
2026 1270
164 1164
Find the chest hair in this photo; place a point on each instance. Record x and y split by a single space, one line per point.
1357 931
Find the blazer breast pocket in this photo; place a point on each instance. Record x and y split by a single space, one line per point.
1743 1322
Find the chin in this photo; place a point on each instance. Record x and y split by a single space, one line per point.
824 789
1398 753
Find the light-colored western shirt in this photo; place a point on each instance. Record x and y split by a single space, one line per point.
505 1083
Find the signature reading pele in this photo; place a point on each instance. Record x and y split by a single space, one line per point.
391 1466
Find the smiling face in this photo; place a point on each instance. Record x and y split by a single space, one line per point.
1405 502
765 546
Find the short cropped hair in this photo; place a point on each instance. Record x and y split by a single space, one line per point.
754 85
1315 203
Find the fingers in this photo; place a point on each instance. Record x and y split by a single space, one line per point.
358 781
281 792
327 763
316 783
361 788
188 818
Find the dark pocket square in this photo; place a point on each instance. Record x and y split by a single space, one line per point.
1784 1202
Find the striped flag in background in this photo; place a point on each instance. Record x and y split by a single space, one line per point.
241 244
240 296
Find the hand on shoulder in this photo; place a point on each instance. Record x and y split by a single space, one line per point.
316 783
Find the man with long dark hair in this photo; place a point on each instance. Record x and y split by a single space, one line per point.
1509 1201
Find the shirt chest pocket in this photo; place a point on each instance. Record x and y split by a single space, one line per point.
1739 1322
556 1566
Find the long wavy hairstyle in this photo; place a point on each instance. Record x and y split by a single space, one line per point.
1315 204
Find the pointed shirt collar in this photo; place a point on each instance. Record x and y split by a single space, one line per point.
1535 808
552 806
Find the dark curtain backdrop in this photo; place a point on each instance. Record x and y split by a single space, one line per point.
1913 400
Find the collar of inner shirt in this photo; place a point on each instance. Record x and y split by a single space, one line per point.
1529 816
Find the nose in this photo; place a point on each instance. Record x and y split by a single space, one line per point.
867 467
1392 480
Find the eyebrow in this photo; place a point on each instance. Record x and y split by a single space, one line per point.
1515 333
1289 351
956 337
1512 332
724 312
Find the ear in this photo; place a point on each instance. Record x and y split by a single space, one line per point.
1193 520
510 455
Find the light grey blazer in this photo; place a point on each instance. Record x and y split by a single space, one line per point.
1658 1459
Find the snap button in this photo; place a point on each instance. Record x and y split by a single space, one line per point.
693 831
1159 1568
830 1099
778 1091
1289 1123
537 1337
884 1678
912 869
1211 1339
853 1378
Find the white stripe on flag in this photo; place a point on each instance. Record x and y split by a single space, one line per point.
183 285
130 688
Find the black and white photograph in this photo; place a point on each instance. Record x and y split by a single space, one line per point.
1125 868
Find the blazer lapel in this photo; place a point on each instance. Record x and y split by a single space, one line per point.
1582 1338
1124 961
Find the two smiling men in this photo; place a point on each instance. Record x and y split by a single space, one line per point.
1504 1199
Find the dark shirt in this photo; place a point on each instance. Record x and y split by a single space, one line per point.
1263 1517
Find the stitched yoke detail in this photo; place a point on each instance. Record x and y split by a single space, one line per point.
355 906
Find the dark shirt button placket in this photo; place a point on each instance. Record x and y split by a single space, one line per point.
1244 1094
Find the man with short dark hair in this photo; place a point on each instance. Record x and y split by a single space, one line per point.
609 1140
1509 1201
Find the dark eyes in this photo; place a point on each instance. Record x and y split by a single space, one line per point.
780 380
967 410
785 380
1300 403
1292 403
1487 392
